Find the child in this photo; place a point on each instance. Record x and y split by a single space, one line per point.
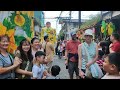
38 67
112 66
55 70
60 50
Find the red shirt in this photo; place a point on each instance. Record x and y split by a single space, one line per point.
116 46
72 47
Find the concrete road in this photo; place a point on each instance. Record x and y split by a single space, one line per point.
61 62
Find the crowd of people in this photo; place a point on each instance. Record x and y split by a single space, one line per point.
34 60
28 62
31 60
91 60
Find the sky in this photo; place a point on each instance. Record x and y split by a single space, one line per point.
50 16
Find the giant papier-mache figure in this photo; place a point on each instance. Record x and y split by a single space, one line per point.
50 32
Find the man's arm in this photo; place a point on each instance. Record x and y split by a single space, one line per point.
66 54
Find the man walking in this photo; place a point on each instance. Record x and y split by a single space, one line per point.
71 56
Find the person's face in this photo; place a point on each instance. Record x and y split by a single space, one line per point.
41 59
47 39
88 38
74 37
26 47
111 38
109 68
48 25
4 43
36 44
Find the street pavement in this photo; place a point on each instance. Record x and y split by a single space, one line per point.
61 62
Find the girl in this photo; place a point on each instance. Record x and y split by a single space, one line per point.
24 70
7 64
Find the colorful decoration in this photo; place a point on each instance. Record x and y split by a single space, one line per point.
2 29
10 33
17 26
19 20
103 28
51 34
111 28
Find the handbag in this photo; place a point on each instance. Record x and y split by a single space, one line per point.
88 73
94 69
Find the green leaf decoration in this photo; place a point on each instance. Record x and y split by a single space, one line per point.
26 26
18 39
6 23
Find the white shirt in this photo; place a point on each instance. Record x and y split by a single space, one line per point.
110 77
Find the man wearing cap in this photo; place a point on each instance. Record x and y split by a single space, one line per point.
71 56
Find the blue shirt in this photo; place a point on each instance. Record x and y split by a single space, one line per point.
38 71
91 49
6 62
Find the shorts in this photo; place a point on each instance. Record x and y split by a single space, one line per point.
73 66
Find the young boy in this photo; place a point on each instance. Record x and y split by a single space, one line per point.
111 66
38 69
55 70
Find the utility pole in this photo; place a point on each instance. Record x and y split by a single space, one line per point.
68 31
79 16
70 15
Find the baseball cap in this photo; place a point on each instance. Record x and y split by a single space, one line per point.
73 33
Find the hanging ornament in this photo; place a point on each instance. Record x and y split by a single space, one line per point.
102 30
110 29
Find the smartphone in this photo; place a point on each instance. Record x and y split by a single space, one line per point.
66 66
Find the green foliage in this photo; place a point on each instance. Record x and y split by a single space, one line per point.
93 20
